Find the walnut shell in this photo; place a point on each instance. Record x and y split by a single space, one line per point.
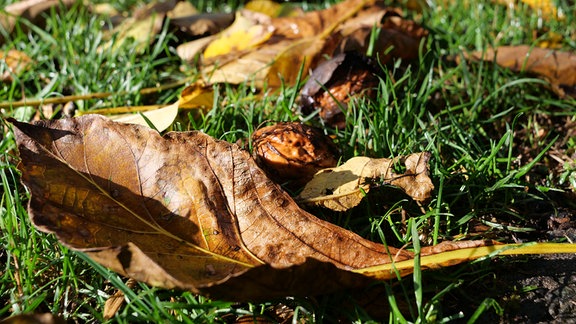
345 76
291 153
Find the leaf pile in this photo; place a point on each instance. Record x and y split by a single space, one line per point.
276 47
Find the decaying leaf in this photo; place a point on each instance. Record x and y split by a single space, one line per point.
343 187
334 83
15 62
31 10
141 28
115 302
191 212
557 67
181 211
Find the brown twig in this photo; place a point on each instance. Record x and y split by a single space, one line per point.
97 95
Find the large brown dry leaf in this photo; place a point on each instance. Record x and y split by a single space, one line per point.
187 211
183 210
557 67
343 187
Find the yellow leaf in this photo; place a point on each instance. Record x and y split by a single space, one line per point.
243 34
267 7
197 95
552 40
545 7
343 187
161 118
445 259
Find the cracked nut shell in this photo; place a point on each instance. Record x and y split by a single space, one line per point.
291 153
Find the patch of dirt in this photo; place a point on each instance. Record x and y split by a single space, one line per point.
537 290
529 289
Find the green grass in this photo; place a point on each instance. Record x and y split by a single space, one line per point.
490 163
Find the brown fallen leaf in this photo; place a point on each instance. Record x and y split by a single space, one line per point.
183 210
141 28
16 63
191 212
557 67
397 38
115 302
334 83
343 187
40 318
31 10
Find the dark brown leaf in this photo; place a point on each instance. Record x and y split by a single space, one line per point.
202 24
334 83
